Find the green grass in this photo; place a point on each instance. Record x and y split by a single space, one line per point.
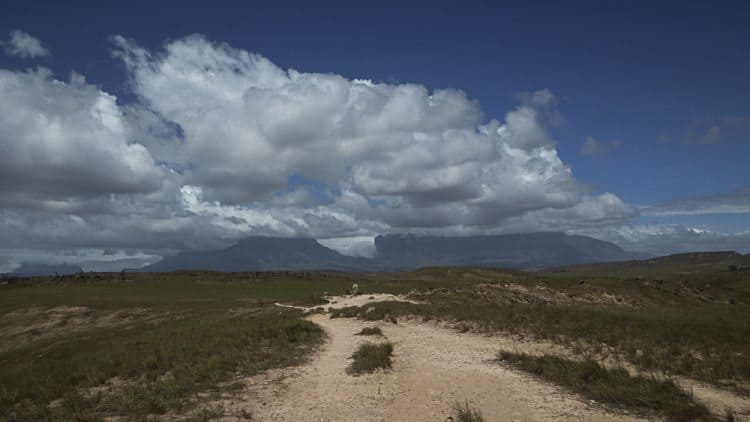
371 356
172 290
465 413
688 323
196 336
612 386
370 331
161 363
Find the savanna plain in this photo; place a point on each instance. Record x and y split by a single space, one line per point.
663 339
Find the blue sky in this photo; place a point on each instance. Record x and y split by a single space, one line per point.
661 87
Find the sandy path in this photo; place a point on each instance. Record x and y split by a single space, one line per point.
434 367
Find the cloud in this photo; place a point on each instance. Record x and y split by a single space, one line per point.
665 239
734 202
24 45
64 142
363 246
87 259
221 144
425 157
710 131
592 146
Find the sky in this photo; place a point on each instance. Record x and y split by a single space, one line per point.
133 130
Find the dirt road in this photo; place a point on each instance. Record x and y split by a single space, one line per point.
434 367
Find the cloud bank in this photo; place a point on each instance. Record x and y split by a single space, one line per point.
734 202
399 155
221 143
660 239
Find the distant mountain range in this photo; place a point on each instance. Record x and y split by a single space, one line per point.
263 254
35 270
402 252
525 251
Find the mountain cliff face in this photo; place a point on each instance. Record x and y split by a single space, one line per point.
528 250
402 252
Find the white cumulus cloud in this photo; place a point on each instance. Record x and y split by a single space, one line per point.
65 141
419 158
221 144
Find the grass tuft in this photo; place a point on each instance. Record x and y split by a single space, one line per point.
370 331
612 386
207 413
371 356
465 413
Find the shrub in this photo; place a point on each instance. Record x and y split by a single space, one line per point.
370 331
465 413
371 356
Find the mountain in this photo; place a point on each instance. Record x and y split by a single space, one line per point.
36 270
528 250
401 252
263 254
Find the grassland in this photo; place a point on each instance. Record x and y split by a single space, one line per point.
94 345
194 336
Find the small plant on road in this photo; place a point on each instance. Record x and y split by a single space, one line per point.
371 356
465 413
370 331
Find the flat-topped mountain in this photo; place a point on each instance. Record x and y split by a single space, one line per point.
262 254
402 252
527 250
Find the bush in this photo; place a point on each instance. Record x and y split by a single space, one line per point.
371 356
465 413
370 331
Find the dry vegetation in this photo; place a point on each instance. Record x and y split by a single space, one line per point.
465 413
370 331
370 357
